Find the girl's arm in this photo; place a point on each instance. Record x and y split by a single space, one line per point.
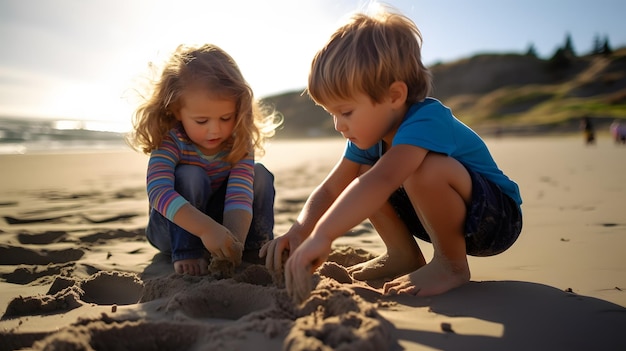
160 179
239 197
165 199
217 239
238 222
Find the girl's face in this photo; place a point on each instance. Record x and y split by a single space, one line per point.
208 120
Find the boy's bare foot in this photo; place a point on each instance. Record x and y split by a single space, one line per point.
387 266
192 266
435 278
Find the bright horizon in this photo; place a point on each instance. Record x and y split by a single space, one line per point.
82 60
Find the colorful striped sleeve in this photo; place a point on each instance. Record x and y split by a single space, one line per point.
239 192
160 179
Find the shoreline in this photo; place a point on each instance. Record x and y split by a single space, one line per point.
118 144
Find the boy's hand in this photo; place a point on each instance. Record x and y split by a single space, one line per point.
222 244
301 265
275 251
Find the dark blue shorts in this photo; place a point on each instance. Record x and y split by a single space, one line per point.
493 221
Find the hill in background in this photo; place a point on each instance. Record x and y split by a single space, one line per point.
501 93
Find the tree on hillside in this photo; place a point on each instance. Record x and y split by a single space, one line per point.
568 47
606 48
531 51
601 46
560 60
597 45
563 56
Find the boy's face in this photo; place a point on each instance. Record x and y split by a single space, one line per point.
362 121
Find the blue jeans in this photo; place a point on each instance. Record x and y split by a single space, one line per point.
193 184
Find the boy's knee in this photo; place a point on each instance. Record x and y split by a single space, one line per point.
364 168
439 168
428 173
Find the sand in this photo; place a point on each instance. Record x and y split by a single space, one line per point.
76 272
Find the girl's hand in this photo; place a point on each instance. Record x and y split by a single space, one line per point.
301 265
223 245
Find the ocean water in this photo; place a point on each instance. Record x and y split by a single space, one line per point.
20 136
63 146
25 136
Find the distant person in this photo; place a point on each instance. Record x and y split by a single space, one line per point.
588 130
409 166
618 131
201 127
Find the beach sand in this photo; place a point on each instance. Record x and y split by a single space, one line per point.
76 272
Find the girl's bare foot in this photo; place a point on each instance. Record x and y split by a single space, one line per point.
192 266
387 266
435 278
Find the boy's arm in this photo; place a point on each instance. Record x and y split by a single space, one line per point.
357 202
344 172
317 203
364 196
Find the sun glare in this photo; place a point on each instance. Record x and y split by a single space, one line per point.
67 125
274 54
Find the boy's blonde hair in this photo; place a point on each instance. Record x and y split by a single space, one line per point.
204 67
367 55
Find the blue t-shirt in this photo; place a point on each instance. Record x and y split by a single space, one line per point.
432 126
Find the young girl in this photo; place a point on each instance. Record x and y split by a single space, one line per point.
201 127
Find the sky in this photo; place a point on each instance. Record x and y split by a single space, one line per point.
86 59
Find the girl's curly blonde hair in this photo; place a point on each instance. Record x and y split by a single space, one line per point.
205 67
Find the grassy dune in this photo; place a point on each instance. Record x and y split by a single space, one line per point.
502 92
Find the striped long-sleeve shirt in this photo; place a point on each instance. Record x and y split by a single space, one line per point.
178 149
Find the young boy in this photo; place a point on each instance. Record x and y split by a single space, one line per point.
409 166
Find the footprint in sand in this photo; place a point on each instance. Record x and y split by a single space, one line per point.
14 255
27 275
112 288
138 234
102 288
44 238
